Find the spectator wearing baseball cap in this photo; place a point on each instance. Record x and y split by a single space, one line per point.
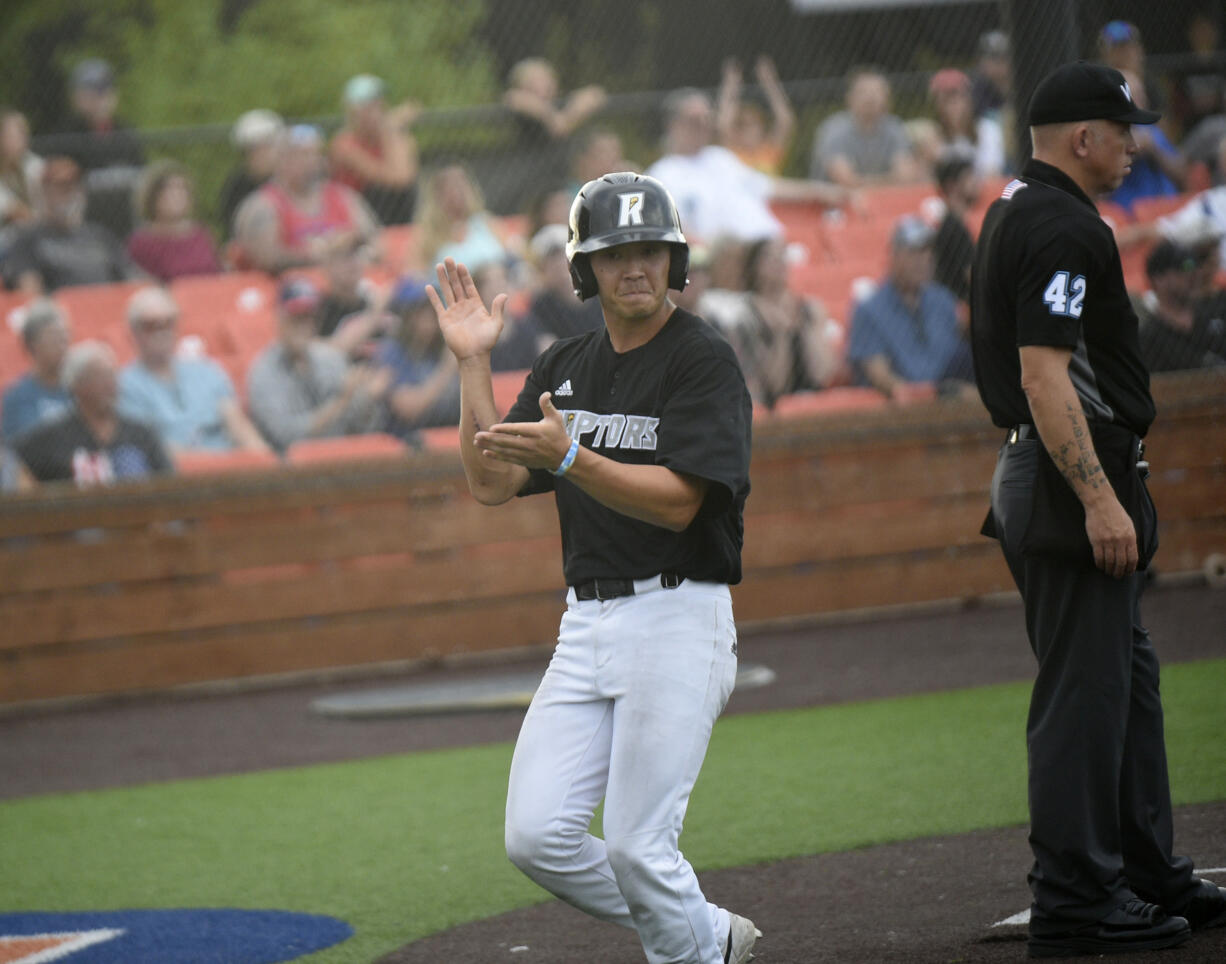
300 387
1159 168
61 248
1120 46
424 378
958 128
255 135
109 153
907 332
1180 329
992 78
375 152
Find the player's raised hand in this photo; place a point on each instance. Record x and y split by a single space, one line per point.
469 330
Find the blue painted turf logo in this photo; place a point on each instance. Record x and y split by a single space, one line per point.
166 936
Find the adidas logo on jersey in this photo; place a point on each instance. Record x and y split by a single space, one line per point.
564 389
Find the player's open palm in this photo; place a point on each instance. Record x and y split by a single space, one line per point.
467 327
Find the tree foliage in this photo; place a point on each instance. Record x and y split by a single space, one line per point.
209 60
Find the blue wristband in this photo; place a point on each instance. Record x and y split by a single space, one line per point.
569 459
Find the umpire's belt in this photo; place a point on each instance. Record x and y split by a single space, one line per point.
1027 431
603 589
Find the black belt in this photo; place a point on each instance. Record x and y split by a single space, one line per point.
603 589
1027 431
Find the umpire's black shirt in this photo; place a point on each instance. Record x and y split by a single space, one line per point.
1047 272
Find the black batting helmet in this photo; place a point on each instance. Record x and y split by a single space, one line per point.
620 209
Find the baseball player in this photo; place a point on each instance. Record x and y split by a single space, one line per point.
1058 365
641 429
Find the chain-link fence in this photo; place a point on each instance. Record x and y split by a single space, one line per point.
517 91
635 50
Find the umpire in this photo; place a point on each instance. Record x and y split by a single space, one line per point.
1058 366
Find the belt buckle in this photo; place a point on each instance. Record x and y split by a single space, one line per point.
1013 436
600 595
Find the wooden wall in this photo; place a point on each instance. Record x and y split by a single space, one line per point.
298 569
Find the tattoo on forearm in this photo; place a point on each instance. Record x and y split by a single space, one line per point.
1076 460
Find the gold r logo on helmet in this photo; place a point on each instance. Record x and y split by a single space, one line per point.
631 209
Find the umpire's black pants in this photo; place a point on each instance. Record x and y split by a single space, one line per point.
1100 807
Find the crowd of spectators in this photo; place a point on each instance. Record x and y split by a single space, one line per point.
356 352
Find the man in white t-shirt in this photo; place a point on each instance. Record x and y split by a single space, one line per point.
717 194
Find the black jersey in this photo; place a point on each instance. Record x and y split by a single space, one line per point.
1047 272
679 401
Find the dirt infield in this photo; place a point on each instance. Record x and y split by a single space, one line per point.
920 901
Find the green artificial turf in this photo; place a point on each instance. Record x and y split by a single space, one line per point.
403 846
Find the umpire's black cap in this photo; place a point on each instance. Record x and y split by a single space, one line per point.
1086 91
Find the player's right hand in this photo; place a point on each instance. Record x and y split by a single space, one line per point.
469 330
1113 538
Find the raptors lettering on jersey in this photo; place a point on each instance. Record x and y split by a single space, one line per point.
612 431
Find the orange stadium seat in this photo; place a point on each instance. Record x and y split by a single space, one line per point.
1132 260
858 238
10 314
992 188
100 311
1115 215
1151 208
345 449
507 386
827 401
442 439
836 284
802 222
221 463
235 314
13 359
893 201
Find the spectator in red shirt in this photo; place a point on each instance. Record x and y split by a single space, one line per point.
170 242
374 153
299 217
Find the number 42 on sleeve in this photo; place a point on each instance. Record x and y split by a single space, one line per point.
1057 294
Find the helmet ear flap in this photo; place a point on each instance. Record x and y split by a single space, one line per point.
583 277
678 266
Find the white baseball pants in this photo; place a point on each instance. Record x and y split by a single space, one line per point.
625 712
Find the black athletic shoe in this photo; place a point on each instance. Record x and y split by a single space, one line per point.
1206 908
1133 926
